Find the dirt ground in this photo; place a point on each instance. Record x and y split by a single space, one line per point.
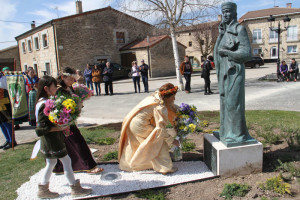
211 189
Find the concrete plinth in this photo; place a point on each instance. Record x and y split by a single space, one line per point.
232 161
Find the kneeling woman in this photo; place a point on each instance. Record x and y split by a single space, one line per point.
144 142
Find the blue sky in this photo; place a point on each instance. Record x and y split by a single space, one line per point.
42 11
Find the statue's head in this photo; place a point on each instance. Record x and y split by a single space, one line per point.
229 10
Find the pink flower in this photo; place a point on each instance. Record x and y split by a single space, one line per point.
50 104
47 111
66 120
66 110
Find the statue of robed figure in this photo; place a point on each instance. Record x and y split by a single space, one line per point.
232 49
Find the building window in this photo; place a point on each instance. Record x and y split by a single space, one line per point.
257 36
273 36
274 52
29 45
120 37
25 67
36 43
190 33
190 43
292 33
35 67
45 40
23 47
292 49
257 51
47 69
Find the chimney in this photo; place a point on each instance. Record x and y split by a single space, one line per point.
33 25
276 6
219 17
289 5
78 6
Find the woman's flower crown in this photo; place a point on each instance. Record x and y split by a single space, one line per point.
169 92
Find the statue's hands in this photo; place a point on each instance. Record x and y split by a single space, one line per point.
176 143
223 52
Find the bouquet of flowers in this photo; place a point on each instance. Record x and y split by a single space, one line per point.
63 111
82 91
187 121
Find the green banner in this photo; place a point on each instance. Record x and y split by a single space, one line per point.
17 95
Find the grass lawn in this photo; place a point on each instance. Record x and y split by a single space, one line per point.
16 168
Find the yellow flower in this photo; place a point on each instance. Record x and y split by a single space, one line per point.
193 109
181 127
192 127
185 128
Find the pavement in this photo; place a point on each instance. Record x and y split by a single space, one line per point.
260 95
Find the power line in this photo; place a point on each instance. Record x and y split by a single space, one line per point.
17 22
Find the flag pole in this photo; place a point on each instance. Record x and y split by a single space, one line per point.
12 120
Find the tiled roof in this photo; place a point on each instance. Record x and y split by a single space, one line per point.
9 48
268 12
137 44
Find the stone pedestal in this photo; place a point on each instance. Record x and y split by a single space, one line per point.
232 161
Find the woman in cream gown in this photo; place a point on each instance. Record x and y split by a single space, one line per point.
144 142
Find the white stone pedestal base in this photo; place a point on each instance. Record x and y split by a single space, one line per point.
232 161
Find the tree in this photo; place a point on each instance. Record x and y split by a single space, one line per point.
170 14
206 35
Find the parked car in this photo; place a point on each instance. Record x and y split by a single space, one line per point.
255 62
118 70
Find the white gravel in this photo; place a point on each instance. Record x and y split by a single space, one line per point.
128 181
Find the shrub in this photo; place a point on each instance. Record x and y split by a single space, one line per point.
276 184
204 123
293 140
106 141
110 156
188 146
169 125
234 189
289 167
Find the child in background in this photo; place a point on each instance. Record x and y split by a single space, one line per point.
52 143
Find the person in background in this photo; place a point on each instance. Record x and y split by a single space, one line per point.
206 75
88 77
186 70
31 88
5 120
96 74
135 71
294 69
144 72
284 71
107 78
79 78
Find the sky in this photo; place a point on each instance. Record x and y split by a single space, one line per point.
16 15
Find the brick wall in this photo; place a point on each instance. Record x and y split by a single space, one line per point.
11 53
162 58
266 44
86 38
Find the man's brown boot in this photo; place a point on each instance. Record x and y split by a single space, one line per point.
78 191
45 193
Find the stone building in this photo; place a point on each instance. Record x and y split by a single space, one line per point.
157 53
199 40
264 41
86 37
8 56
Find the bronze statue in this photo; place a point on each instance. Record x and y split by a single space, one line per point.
232 49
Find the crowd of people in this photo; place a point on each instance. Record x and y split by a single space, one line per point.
288 73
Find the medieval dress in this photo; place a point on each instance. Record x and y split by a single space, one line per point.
144 142
78 150
233 38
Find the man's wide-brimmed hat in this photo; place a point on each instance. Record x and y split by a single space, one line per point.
229 5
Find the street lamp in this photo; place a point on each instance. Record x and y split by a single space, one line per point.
278 30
